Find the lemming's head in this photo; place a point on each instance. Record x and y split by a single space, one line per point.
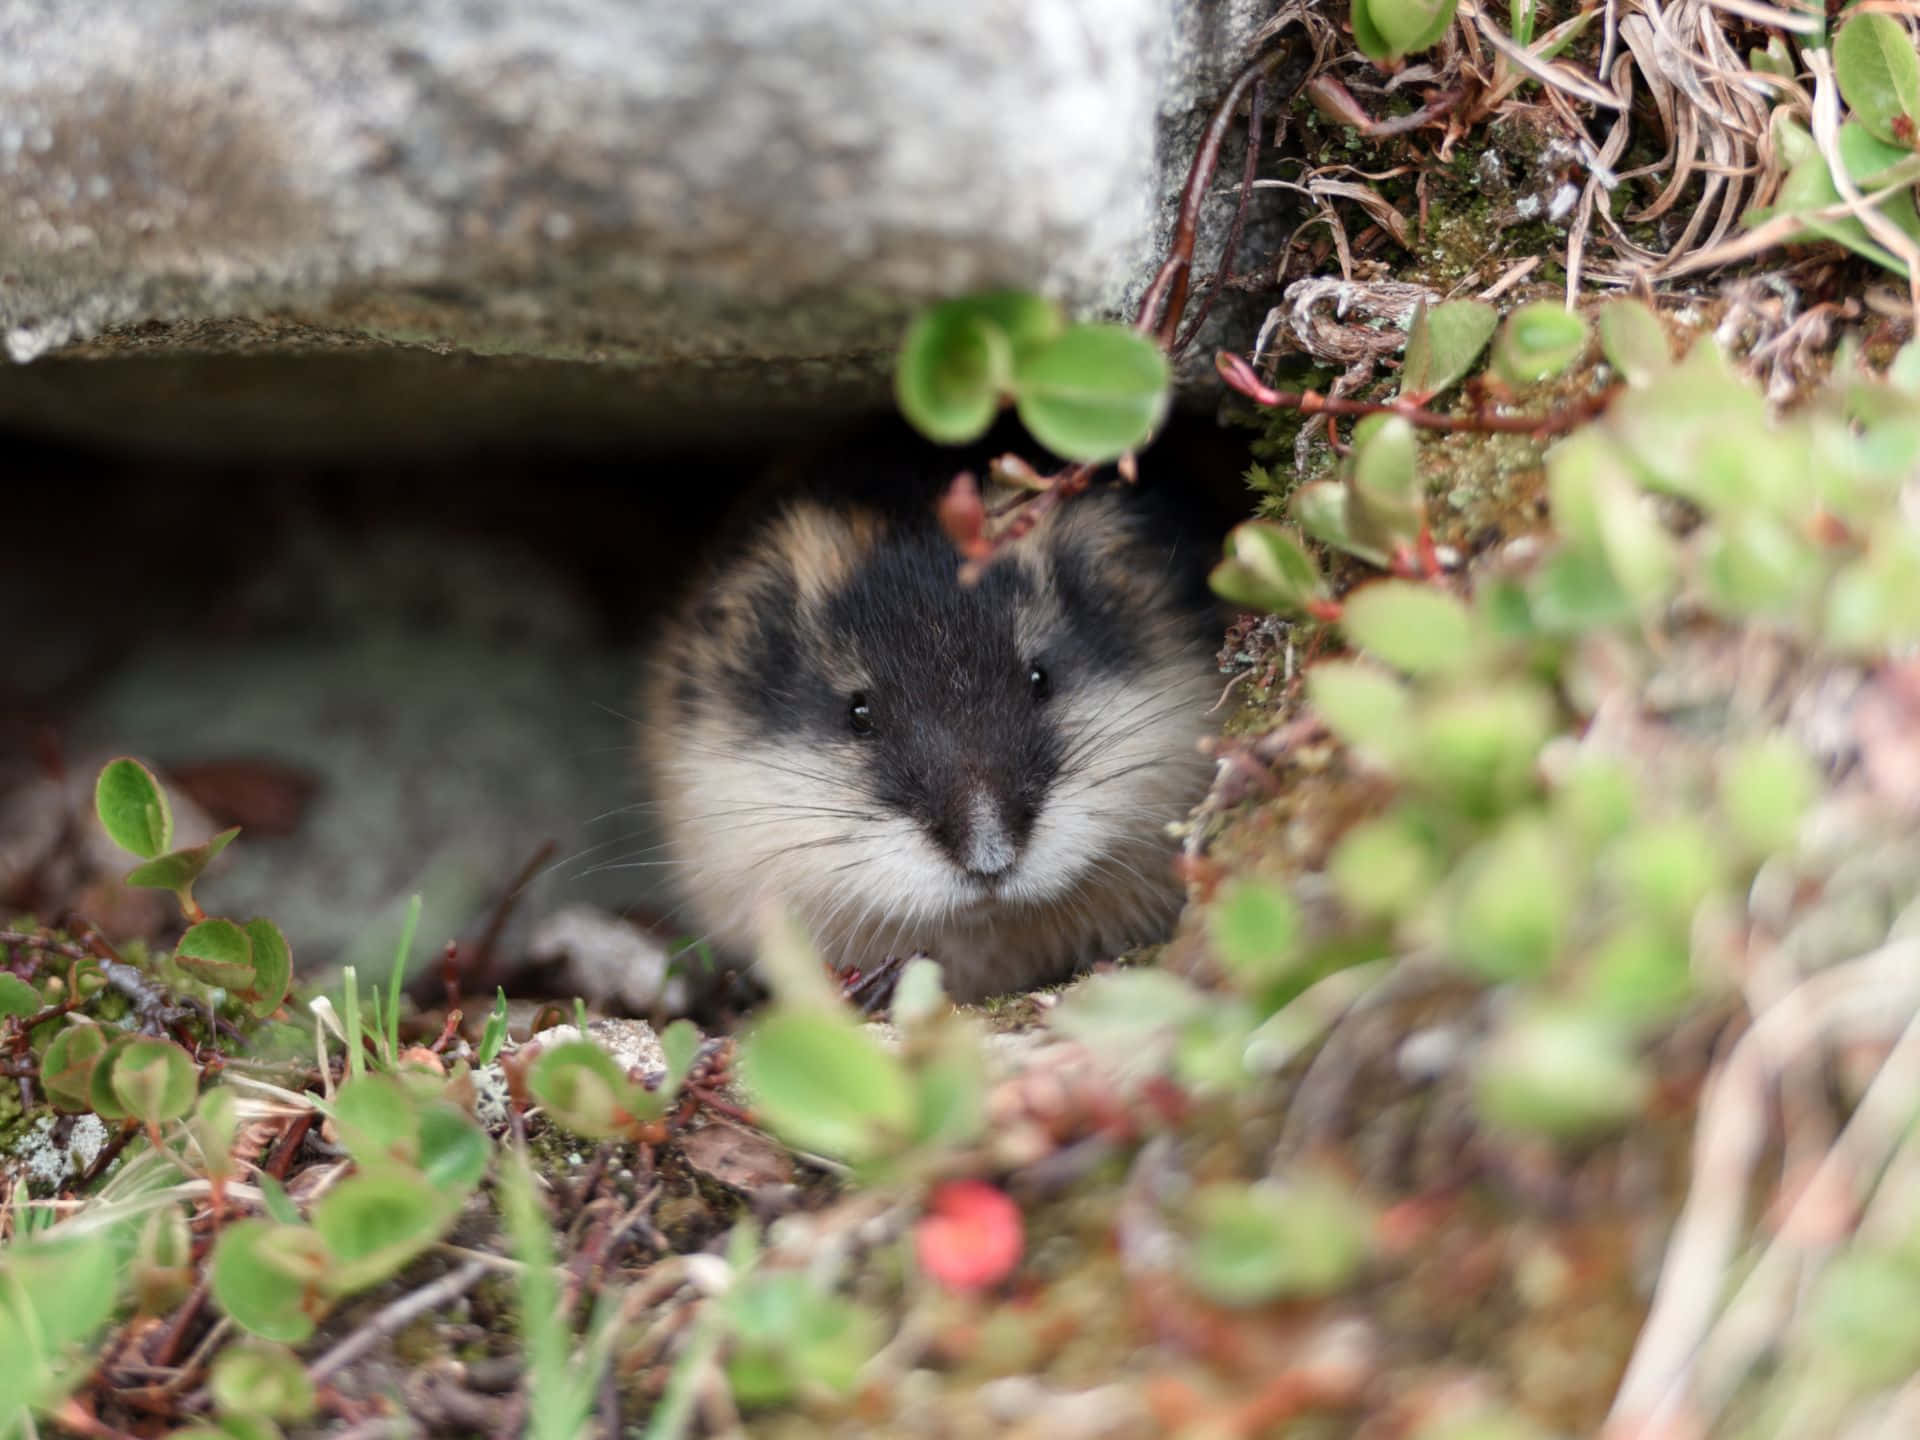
842 722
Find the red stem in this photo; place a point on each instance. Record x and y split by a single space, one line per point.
1240 376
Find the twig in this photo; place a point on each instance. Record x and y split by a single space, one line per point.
1035 508
176 1331
1231 249
1240 376
398 1316
45 944
497 921
1169 287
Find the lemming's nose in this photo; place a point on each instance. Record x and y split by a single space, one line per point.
983 846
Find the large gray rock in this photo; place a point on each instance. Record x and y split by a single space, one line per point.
649 216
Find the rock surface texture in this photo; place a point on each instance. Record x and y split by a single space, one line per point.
622 216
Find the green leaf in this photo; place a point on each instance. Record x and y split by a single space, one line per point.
1870 161
1366 34
219 953
66 1069
1366 707
920 996
1875 602
1267 568
1026 320
584 1090
155 1080
377 1121
454 1152
954 366
272 967
1406 26
17 997
177 870
266 1277
1386 504
1131 1018
1412 627
1903 371
1635 344
1595 801
680 1043
373 1224
1256 933
494 1036
1644 557
1753 563
1879 75
1382 867
1442 345
161 1267
1094 392
53 1296
790 1334
1321 510
1521 15
951 1091
1640 973
1258 1243
1538 341
1480 746
101 1095
133 808
276 1202
1562 1073
252 1378
824 1084
1765 789
1809 188
1861 1317
1512 903
216 1119
1667 868
791 967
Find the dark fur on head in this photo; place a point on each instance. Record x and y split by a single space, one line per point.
982 773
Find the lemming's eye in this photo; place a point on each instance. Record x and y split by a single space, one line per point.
1038 682
860 714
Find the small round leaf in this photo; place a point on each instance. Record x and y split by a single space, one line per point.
1257 1243
1879 75
585 1091
954 366
272 967
265 1277
17 997
155 1080
1560 1073
1538 341
178 869
218 953
1442 345
133 808
1094 392
373 1224
1633 342
260 1379
1412 627
1366 707
824 1084
1267 568
66 1069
